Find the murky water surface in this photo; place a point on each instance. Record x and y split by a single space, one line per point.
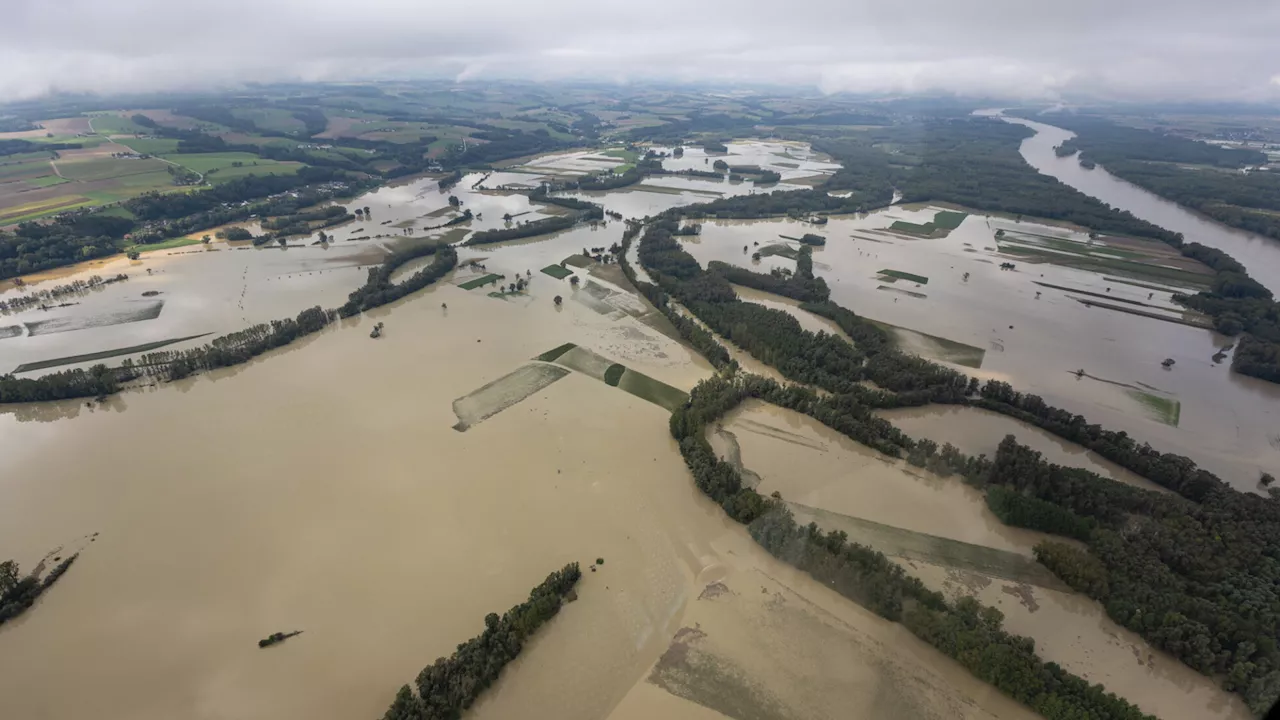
324 488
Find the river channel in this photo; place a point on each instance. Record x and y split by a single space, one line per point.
1259 254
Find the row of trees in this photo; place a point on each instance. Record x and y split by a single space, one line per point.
19 592
452 684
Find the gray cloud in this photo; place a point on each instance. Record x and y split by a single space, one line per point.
1020 48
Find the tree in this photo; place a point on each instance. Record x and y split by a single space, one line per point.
454 201
366 211
359 212
133 254
574 281
206 239
324 237
9 575
558 300
282 240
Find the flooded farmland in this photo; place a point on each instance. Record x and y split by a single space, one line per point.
1039 326
382 496
941 531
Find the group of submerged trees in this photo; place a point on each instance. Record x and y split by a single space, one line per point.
450 685
1196 573
19 592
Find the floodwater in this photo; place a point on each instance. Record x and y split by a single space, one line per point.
813 465
1259 254
1076 633
816 466
324 488
1226 422
976 431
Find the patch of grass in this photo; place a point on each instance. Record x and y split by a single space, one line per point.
558 272
474 283
1159 408
655 391
785 251
629 156
614 374
578 261
1137 270
556 352
102 354
904 276
169 244
949 219
117 125
925 230
106 168
33 210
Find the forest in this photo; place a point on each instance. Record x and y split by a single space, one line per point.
450 685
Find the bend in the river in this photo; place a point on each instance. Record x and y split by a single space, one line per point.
1260 255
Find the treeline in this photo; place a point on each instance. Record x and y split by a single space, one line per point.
378 289
450 685
1239 304
965 631
523 230
17 147
801 285
1200 580
300 223
19 592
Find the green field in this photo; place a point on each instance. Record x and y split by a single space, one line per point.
150 146
273 119
904 276
785 251
655 391
222 167
944 221
117 125
108 168
558 272
45 180
627 155
1161 409
169 244
474 283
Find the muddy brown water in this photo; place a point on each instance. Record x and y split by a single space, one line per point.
323 488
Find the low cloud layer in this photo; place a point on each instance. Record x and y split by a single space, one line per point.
1128 49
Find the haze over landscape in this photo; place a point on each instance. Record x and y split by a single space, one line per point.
1140 49
590 361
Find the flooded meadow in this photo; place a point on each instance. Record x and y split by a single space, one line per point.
383 495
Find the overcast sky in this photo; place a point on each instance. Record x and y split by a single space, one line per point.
1139 49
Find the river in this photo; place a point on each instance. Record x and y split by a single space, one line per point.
1259 254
